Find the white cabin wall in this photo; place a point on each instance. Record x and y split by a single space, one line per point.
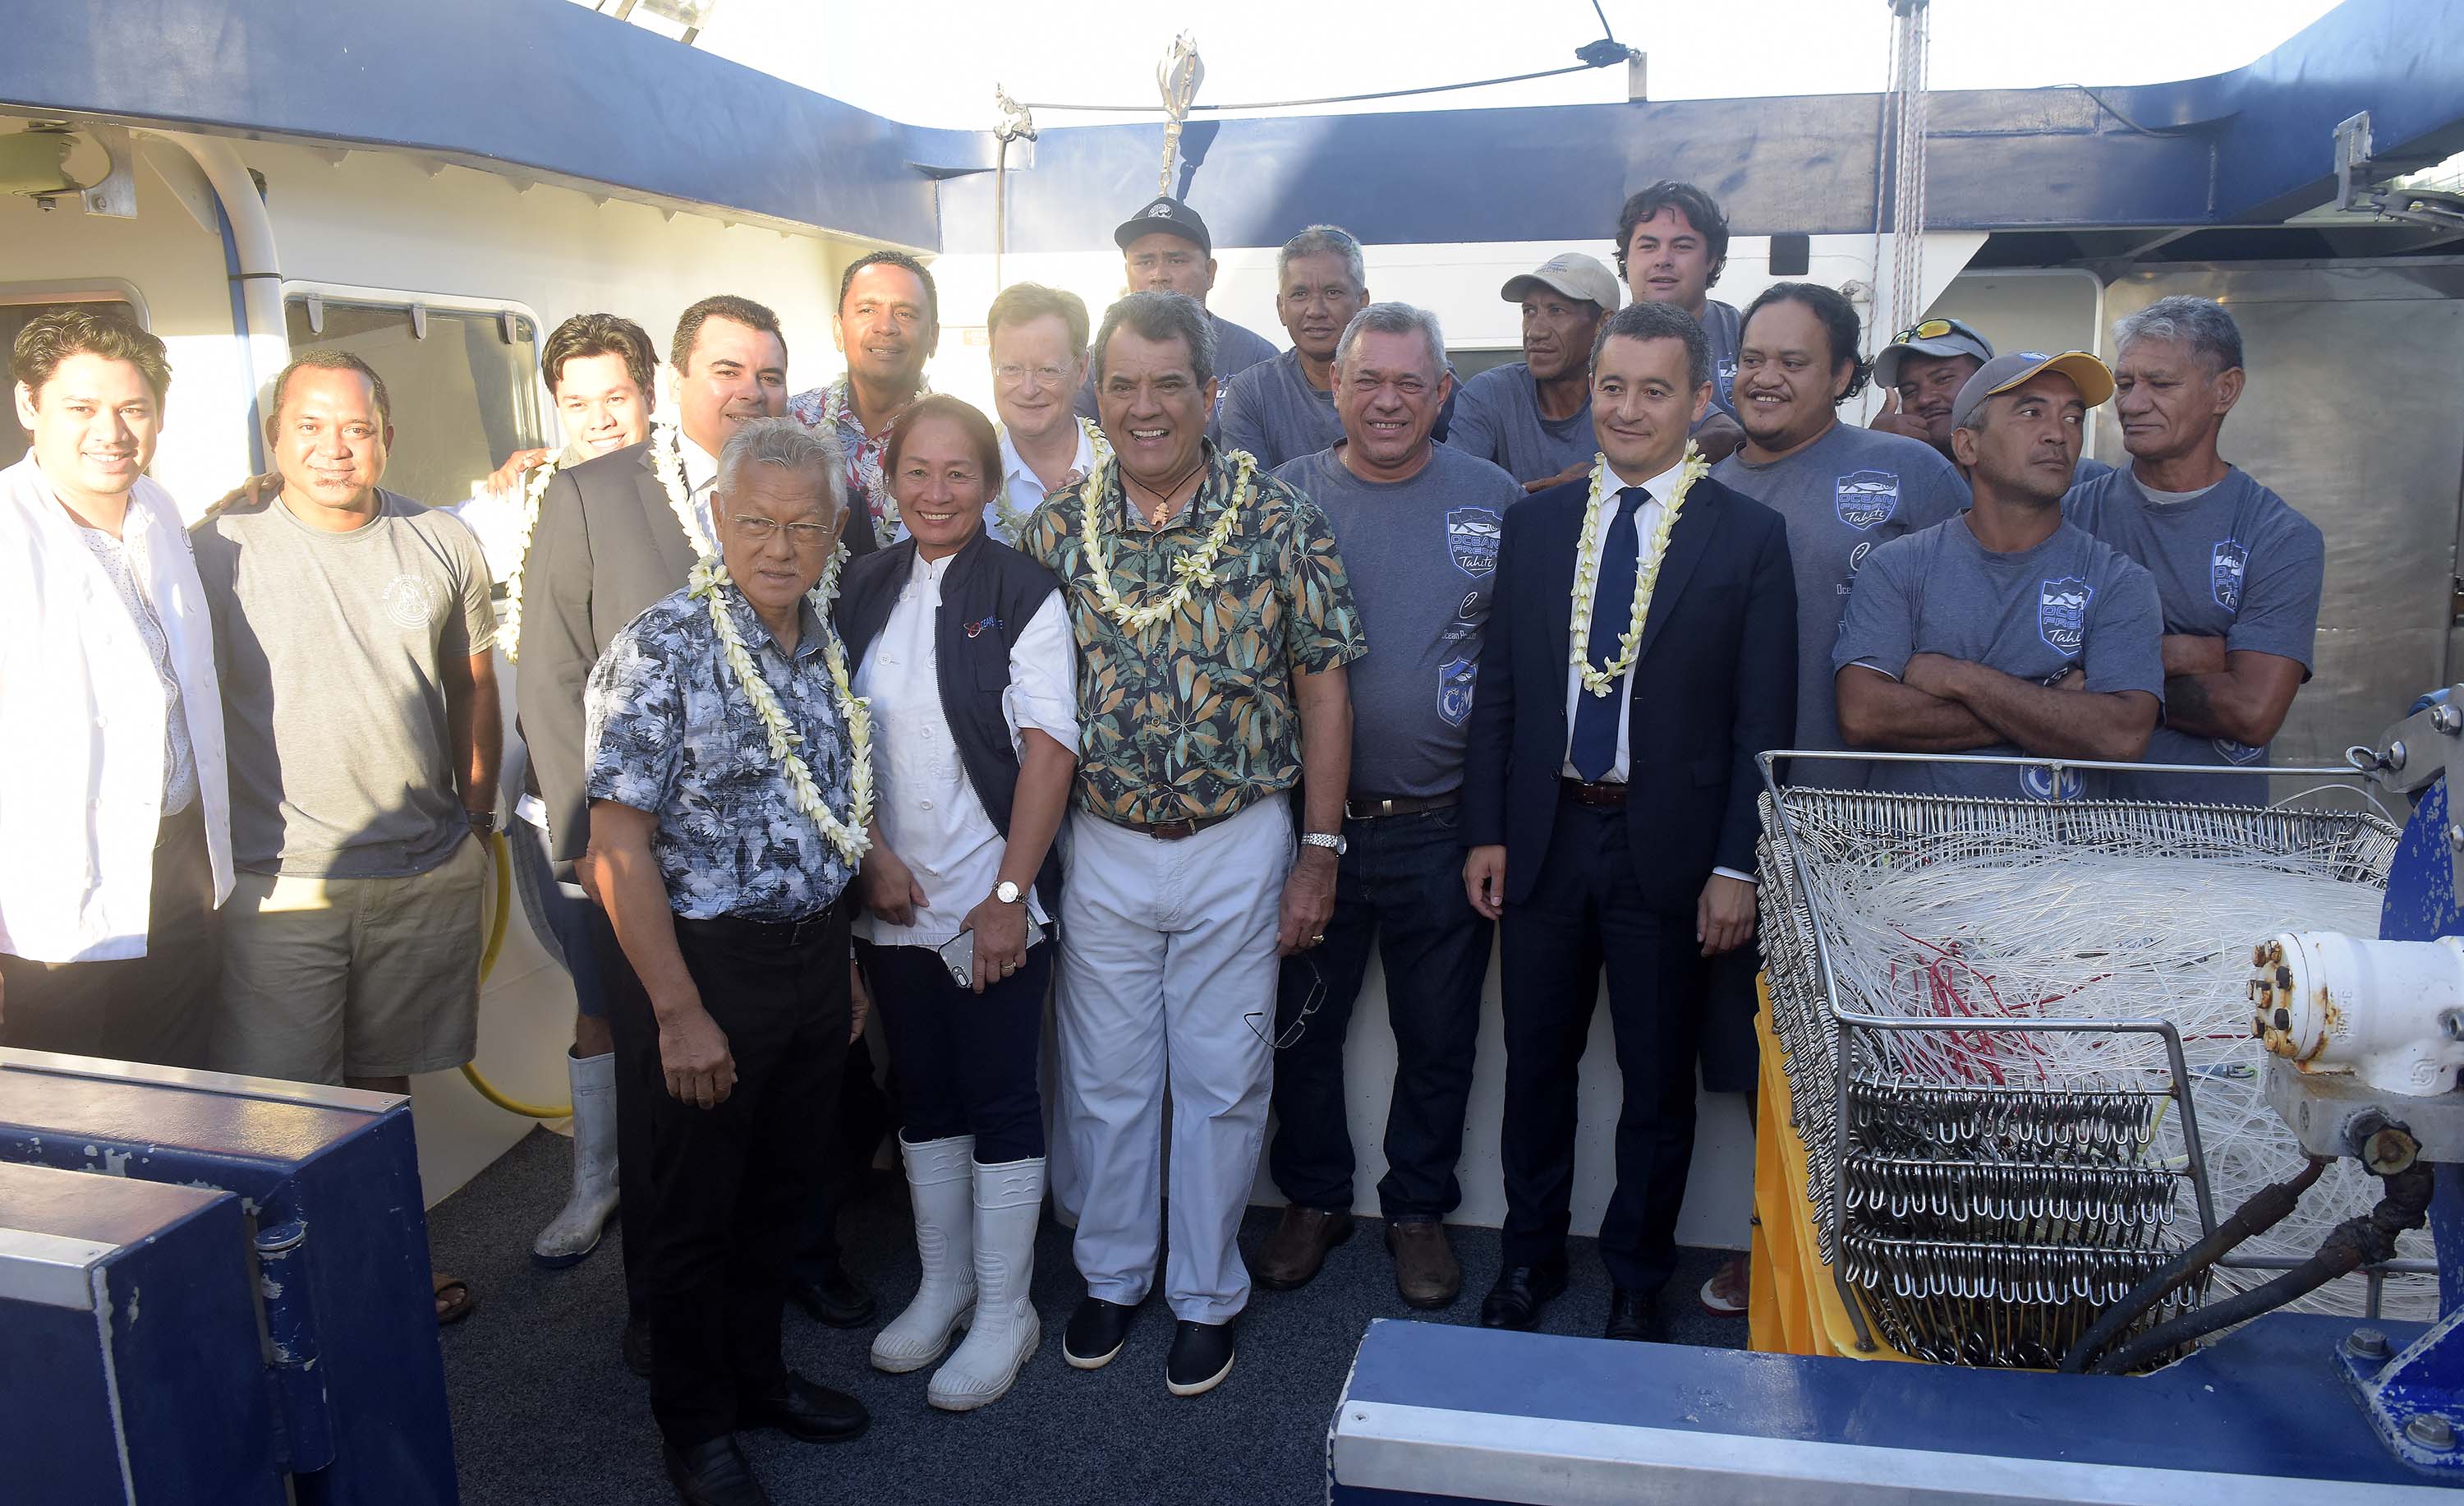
177 268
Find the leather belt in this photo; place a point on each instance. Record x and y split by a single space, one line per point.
1369 808
1173 831
1587 793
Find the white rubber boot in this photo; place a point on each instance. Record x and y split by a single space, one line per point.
574 1233
1009 1201
941 1178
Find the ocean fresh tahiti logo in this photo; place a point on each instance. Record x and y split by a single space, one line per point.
1455 678
1471 538
2062 614
2226 565
1866 498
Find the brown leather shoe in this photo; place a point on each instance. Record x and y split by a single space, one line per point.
1425 1272
1298 1245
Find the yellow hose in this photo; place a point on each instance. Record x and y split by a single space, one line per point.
503 910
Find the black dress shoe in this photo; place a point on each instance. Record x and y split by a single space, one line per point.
1636 1314
1096 1332
1202 1357
1520 1292
807 1411
831 1297
713 1474
637 1346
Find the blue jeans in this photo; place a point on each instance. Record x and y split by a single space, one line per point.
1399 888
560 918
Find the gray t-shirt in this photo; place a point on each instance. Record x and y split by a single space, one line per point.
1422 556
1498 418
1272 411
1844 496
2233 561
333 649
2071 602
1237 348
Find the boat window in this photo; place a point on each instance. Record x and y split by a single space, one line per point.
17 312
462 383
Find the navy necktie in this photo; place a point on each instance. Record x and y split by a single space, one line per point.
1593 749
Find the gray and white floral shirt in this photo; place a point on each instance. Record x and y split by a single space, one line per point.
670 733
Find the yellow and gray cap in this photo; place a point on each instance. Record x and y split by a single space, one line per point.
1571 272
2002 373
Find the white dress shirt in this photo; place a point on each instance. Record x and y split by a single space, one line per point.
1647 522
83 723
700 470
1023 487
929 815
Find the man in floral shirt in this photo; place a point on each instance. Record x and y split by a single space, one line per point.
1212 625
889 323
729 783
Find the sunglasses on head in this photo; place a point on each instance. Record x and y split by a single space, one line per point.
1930 329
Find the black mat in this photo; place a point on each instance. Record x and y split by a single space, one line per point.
544 1410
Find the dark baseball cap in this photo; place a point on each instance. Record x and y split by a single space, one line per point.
1932 337
2002 373
1169 216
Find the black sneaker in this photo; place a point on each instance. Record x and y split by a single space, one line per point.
1096 1332
1202 1357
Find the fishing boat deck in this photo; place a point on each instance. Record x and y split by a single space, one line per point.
545 1413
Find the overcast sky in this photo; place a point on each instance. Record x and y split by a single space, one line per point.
935 61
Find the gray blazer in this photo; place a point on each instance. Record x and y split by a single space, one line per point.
606 549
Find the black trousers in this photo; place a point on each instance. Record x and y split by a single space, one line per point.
966 1062
1585 914
152 1008
1398 889
720 1188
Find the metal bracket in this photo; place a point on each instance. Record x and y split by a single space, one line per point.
2418 749
116 195
2358 170
2413 1399
2323 1109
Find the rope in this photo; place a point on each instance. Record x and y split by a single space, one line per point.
502 909
2031 929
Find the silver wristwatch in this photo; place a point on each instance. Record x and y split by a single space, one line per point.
1007 891
1331 840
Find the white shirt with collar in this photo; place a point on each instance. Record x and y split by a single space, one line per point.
702 471
1023 487
81 723
930 814
1646 522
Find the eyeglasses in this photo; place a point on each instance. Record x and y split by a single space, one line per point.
1290 1033
805 537
1009 373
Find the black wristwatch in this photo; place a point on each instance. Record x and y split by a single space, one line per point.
483 822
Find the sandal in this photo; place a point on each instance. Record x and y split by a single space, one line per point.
453 1300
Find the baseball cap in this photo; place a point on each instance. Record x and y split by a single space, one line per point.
1571 272
1169 216
1931 337
2002 373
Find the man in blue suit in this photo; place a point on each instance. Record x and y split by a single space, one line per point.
1641 650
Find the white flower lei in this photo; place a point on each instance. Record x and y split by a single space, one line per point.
1600 680
1192 570
509 629
1009 520
709 574
850 836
